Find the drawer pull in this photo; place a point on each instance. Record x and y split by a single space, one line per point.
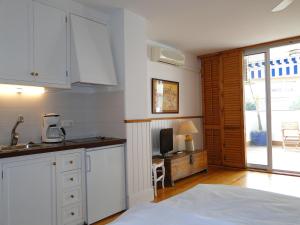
71 162
71 179
72 196
72 213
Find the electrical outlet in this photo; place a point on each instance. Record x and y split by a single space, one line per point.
67 123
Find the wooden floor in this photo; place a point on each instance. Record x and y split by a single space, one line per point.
289 185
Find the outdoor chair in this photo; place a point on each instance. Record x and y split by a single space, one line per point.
290 134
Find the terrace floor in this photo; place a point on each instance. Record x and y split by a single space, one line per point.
283 159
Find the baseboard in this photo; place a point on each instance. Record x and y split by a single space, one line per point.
140 197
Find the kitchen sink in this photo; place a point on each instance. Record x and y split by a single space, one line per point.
20 147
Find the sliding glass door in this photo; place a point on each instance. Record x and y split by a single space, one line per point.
272 107
285 110
255 106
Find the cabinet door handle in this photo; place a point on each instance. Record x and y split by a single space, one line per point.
36 74
72 213
32 73
72 196
71 179
71 162
88 163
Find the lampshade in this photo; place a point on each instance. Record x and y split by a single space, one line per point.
187 127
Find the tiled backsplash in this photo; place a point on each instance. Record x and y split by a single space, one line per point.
93 114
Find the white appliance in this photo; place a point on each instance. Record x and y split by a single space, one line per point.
166 55
52 131
91 55
105 180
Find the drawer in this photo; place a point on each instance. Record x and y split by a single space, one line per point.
71 162
182 160
199 162
71 196
71 179
181 168
72 213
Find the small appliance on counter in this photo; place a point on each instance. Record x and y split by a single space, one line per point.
52 131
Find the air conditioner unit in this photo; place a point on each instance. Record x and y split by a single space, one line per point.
166 55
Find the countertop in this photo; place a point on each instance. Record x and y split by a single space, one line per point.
91 142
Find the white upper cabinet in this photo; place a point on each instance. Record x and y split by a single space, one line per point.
33 44
50 44
91 56
16 40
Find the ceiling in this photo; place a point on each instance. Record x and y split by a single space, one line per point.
207 26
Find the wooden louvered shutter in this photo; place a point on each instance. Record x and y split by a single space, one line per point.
211 109
232 120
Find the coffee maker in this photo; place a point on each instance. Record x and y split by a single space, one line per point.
52 131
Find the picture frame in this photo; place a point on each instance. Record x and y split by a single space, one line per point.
165 96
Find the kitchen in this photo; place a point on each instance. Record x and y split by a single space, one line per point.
81 64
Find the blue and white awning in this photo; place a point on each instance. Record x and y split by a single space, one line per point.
286 67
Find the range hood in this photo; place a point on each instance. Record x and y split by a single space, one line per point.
91 55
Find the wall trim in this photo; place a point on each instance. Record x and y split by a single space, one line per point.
161 118
138 121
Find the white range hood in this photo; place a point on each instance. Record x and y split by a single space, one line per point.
91 56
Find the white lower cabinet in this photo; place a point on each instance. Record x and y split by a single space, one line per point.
36 190
71 188
105 182
56 189
28 191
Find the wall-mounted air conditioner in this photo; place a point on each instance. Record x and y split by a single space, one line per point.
166 55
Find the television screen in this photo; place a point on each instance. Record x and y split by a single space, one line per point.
166 140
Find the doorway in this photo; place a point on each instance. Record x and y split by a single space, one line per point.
272 107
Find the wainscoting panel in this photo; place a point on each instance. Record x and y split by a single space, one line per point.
138 163
157 125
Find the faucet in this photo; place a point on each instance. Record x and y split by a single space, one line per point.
14 135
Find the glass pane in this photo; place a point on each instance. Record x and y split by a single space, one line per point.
255 109
285 101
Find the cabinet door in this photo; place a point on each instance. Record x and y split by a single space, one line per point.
105 183
16 40
232 107
50 44
29 192
211 105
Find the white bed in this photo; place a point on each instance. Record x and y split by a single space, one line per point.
217 205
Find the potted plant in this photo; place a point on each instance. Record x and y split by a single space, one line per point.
257 137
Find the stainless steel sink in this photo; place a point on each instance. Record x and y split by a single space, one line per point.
20 147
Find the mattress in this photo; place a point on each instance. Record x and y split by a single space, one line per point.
217 205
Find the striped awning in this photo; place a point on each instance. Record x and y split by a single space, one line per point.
285 67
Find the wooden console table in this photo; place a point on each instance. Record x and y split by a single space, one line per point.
181 165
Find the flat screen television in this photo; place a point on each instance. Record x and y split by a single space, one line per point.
166 140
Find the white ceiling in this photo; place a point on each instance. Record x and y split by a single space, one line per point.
206 26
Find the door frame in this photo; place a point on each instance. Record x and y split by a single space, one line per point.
266 50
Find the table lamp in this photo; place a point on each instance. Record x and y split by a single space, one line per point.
188 128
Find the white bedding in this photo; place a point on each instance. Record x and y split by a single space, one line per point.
217 205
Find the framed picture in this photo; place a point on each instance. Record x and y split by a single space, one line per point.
165 96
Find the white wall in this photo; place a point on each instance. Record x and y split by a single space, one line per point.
189 83
178 140
136 86
190 104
